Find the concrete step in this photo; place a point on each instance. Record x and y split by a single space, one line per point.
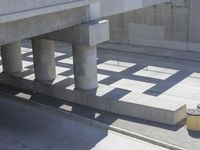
108 99
153 51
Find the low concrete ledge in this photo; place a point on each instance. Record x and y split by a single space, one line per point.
155 109
139 105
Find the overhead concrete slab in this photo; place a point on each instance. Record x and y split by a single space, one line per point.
13 10
20 19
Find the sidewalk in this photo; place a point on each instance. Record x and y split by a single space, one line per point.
31 126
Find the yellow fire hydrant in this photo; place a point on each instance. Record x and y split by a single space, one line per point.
193 119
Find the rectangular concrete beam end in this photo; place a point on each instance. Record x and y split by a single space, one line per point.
89 34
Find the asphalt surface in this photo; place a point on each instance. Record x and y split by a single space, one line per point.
32 126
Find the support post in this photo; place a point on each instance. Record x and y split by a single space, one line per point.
11 58
85 67
44 59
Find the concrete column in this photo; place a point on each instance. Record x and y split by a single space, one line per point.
11 58
85 67
44 59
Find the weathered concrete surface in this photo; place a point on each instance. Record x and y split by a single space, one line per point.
44 59
110 7
147 70
115 93
24 125
173 25
35 8
90 34
49 16
17 10
142 106
152 51
177 135
85 67
11 58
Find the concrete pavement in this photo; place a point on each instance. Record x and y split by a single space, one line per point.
30 126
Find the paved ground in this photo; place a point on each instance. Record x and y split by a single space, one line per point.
145 72
121 73
158 72
28 126
177 135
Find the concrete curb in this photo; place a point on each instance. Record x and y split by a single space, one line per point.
104 126
97 124
145 138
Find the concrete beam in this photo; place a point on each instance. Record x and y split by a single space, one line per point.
39 25
89 34
44 59
94 11
11 58
35 18
13 10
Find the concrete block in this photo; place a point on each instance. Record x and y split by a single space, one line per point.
155 109
89 34
92 33
12 10
133 105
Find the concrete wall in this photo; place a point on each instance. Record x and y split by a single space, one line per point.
13 6
21 19
175 25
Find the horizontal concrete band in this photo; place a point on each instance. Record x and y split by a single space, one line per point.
25 10
159 110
